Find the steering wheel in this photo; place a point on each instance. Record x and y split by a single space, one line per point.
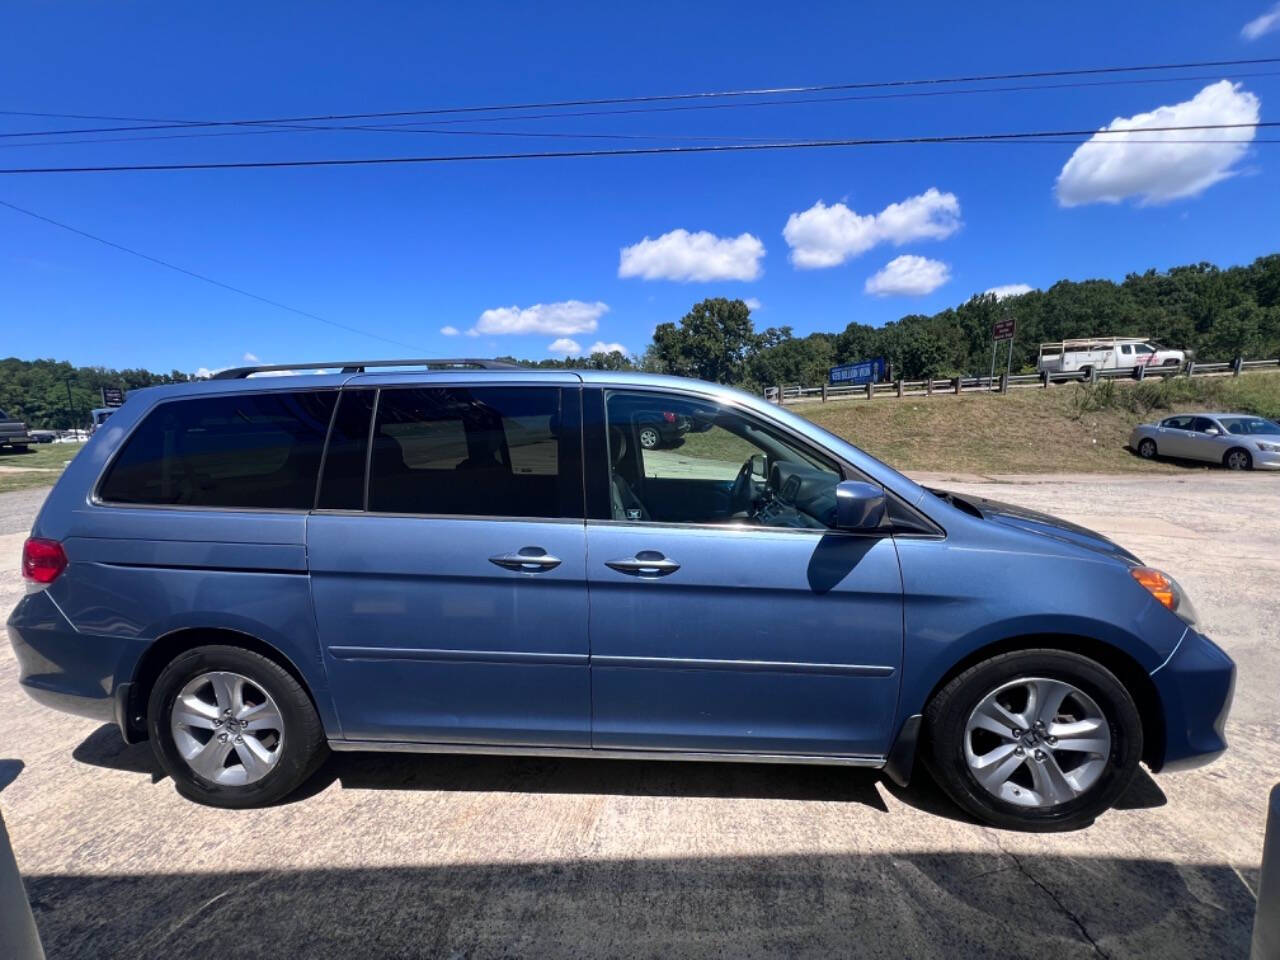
740 497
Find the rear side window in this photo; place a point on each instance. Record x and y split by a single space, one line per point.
241 450
488 451
343 485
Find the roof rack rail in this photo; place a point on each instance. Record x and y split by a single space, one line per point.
359 366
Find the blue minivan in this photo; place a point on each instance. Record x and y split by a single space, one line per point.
466 556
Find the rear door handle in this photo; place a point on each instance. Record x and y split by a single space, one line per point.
526 560
646 563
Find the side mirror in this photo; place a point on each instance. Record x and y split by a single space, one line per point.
759 466
1212 431
860 507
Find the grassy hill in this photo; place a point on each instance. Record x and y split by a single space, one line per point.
1068 428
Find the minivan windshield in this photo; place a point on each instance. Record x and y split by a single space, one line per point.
1248 426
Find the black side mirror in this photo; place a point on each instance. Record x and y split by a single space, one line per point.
860 507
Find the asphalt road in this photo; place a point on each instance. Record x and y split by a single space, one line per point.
475 857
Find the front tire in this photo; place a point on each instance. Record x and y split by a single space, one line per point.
233 728
1238 459
1036 740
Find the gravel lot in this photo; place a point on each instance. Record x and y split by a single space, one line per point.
478 857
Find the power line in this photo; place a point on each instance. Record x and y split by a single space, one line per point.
201 276
669 97
433 127
636 151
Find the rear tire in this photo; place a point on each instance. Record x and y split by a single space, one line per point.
650 437
1147 449
217 758
1237 458
1048 786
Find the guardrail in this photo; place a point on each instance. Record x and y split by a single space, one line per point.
797 393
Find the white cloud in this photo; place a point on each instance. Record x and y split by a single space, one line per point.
1264 24
204 373
251 358
1110 168
449 331
566 346
601 347
753 304
557 319
908 275
1010 290
701 256
825 236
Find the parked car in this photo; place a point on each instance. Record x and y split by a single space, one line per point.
43 436
1079 358
1238 441
13 433
660 428
252 571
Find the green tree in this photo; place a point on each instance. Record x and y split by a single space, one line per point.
713 341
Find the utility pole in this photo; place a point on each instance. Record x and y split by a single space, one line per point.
71 412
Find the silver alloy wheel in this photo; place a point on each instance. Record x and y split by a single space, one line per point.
1036 742
1237 460
1147 449
649 437
227 728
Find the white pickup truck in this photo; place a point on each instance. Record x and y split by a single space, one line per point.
1079 358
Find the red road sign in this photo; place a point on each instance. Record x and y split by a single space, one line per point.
1003 329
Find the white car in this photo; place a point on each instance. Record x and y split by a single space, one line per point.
1238 441
1081 357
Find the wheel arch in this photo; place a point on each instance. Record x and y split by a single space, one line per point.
165 648
1127 670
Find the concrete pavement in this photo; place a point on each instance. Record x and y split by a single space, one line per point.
483 857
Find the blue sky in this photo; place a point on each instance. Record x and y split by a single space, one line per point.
536 247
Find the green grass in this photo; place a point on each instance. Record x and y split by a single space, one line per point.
41 463
1068 428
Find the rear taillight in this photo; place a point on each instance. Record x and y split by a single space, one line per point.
42 560
669 417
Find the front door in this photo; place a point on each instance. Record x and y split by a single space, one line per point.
448 566
725 614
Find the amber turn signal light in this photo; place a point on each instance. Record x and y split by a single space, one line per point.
1158 585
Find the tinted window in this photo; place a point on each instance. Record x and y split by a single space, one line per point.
1202 424
241 450
489 451
342 487
1251 425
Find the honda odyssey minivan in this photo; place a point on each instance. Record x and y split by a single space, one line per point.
464 556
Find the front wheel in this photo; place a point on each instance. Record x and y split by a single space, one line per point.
1034 740
1238 459
233 728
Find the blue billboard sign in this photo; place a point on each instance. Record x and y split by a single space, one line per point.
868 371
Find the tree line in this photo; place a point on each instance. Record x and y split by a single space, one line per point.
1219 314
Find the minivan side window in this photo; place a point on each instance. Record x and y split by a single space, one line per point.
711 463
258 451
484 451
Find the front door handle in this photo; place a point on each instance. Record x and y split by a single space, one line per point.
646 563
526 560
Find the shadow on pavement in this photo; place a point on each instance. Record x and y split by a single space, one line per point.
819 905
9 770
473 773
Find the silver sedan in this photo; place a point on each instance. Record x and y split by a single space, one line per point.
1238 441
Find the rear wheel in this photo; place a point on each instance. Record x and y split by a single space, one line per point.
1034 740
1147 449
650 437
1238 459
233 728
